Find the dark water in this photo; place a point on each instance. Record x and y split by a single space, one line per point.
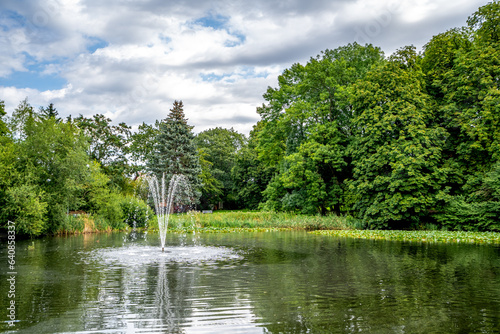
287 282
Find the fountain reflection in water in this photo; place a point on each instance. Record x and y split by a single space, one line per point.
163 200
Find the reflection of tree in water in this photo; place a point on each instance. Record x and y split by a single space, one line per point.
285 282
188 297
163 311
377 287
173 296
140 297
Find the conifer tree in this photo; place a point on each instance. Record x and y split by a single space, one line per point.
49 112
175 152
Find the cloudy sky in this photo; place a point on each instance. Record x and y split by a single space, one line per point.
130 59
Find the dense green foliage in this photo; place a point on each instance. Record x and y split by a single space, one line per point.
398 174
47 173
397 142
108 146
307 128
136 212
218 148
250 174
174 152
390 142
141 146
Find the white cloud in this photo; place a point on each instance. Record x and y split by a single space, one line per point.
131 60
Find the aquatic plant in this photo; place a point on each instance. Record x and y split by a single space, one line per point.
418 236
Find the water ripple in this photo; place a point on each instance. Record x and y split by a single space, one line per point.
146 255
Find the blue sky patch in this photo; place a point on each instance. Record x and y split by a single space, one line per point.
33 80
10 18
245 72
212 77
164 39
240 39
34 77
96 43
249 72
217 22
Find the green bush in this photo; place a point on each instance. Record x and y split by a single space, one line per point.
475 216
479 211
27 207
72 224
56 216
101 224
354 223
109 209
136 212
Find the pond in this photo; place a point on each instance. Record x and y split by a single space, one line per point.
274 282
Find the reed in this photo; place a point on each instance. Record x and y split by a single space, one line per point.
254 220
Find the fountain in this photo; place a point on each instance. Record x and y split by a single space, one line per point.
163 205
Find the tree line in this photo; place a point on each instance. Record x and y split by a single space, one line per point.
396 142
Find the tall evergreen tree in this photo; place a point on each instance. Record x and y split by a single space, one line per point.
175 151
49 112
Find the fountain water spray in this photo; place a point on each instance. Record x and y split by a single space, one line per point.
163 205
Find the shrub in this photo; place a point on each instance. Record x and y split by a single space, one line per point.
479 211
72 224
136 212
109 209
26 205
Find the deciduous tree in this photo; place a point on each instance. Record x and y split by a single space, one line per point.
219 147
398 171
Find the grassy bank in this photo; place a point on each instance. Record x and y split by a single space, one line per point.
240 221
419 236
252 220
85 223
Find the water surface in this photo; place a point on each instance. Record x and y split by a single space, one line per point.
275 282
